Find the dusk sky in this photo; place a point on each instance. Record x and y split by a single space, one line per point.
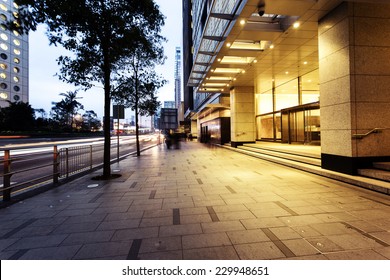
45 87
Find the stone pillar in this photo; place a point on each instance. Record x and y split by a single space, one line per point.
242 115
354 64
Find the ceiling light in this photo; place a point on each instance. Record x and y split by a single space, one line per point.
228 70
271 46
236 60
242 22
296 24
228 45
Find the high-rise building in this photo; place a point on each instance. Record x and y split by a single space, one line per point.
13 58
295 72
177 77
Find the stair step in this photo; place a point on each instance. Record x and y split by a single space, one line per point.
382 165
376 174
283 155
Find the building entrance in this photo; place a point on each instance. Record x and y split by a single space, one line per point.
301 124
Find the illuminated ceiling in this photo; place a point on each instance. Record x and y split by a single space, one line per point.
238 44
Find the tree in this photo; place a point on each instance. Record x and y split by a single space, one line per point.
139 84
65 110
18 116
100 33
90 121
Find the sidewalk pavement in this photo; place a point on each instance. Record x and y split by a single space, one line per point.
199 202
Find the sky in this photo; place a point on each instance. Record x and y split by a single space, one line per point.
45 87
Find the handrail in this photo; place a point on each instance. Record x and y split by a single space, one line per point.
362 135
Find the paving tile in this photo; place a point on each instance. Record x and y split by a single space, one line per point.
300 247
174 230
259 251
166 255
162 244
119 224
247 236
51 253
37 242
356 255
284 233
88 237
205 240
223 226
105 250
212 253
262 223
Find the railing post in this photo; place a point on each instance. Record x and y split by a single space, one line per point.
90 157
7 176
67 162
55 165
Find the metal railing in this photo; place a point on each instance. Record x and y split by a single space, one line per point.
74 160
25 171
362 135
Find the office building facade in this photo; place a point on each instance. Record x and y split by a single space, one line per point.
13 58
310 72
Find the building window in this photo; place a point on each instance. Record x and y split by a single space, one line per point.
16 79
3 66
16 60
3 95
16 88
16 51
4 46
16 97
3 86
3 56
16 70
4 36
16 42
3 76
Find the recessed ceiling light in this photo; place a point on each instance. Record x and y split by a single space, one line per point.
242 22
271 47
228 45
296 24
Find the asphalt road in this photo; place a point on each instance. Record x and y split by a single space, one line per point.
32 161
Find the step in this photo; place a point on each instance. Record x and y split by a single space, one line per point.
383 175
284 155
382 165
289 149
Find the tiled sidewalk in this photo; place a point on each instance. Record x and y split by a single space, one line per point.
199 202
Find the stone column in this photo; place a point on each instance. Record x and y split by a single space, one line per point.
242 115
354 64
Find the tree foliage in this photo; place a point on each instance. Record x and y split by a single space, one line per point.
18 116
101 34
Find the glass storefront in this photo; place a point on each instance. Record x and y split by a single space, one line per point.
289 112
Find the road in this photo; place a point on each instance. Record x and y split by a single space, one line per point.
32 161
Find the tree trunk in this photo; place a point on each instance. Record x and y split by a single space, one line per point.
107 119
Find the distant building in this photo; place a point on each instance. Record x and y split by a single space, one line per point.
177 77
13 59
169 104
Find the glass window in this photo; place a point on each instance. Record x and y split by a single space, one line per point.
264 103
3 66
3 76
16 88
3 56
16 70
286 95
310 87
3 7
4 36
3 95
16 97
4 46
16 51
3 86
3 17
16 60
16 79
